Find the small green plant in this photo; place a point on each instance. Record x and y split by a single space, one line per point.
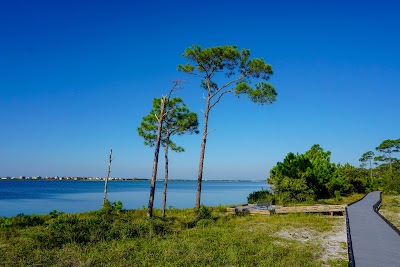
338 196
5 223
54 214
112 206
204 213
118 205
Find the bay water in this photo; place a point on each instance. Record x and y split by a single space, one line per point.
44 196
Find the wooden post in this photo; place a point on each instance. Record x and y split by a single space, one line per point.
108 175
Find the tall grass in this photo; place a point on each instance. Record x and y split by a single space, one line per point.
391 209
184 238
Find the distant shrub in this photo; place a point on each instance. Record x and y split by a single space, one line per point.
261 196
391 184
22 220
204 213
54 214
70 228
112 206
5 223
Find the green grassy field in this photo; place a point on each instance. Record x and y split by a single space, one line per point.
212 238
391 209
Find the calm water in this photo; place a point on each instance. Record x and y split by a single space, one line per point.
41 197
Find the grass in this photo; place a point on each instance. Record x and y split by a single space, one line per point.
391 209
344 200
128 238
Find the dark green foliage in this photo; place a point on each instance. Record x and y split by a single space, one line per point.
112 206
261 195
386 175
367 157
292 180
5 223
178 120
236 65
22 220
100 226
390 181
69 228
353 180
311 176
321 171
387 148
204 213
54 214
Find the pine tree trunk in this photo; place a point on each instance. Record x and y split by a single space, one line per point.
155 161
108 175
202 152
164 201
370 170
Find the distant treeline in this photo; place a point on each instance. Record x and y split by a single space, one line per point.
311 176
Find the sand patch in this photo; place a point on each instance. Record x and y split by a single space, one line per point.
334 242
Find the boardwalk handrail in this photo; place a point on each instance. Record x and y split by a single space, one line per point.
349 242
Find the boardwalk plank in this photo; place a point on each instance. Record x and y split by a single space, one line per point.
375 243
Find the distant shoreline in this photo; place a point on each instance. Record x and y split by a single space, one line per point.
127 180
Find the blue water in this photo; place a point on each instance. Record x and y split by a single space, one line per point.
41 197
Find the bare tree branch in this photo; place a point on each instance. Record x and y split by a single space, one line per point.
175 87
227 84
219 98
197 75
211 131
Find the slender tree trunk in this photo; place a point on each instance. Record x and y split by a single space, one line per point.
108 175
155 161
202 152
370 169
164 201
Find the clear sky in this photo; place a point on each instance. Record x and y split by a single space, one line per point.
76 77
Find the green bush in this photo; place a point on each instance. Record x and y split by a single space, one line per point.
261 195
5 223
112 206
338 197
22 220
204 213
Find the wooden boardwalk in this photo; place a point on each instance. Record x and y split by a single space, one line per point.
254 209
326 209
374 242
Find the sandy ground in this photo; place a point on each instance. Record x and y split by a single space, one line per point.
334 243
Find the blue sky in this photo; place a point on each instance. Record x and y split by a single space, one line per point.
76 77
